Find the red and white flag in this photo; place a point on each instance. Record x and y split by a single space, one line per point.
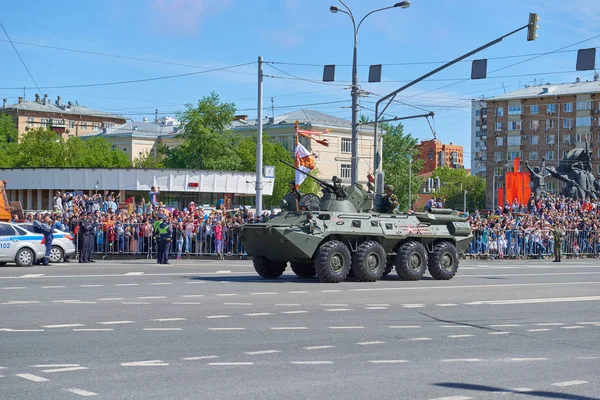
305 162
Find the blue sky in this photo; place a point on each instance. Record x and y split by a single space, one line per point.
220 33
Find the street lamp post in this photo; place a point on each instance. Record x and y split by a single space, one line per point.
355 89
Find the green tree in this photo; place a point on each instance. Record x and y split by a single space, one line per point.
95 152
148 160
8 141
453 184
40 147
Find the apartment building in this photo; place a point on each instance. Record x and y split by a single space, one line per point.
68 119
436 154
543 121
479 130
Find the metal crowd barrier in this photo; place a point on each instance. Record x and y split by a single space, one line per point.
532 243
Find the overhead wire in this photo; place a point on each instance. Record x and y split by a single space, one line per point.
20 58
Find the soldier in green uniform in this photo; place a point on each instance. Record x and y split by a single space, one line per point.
558 235
390 201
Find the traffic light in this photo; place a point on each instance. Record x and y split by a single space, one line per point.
533 26
370 182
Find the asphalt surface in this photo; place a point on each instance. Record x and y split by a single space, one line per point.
212 329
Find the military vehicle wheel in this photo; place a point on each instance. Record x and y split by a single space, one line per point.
268 269
388 268
368 263
411 261
303 270
332 261
443 263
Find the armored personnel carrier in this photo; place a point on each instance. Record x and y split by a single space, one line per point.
340 234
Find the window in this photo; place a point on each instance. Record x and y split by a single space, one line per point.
582 137
499 126
345 170
499 111
20 231
598 153
511 155
583 121
484 111
283 141
584 105
550 186
513 141
108 125
499 141
95 126
431 155
535 139
568 123
534 109
498 171
550 139
498 156
515 125
568 107
566 139
533 155
550 123
478 123
45 122
30 121
534 124
71 124
6 230
84 125
551 108
550 155
477 144
515 110
346 145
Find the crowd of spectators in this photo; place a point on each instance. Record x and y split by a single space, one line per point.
526 230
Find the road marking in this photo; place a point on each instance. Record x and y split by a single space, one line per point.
227 294
93 330
226 329
216 364
311 362
134 273
413 305
62 326
369 343
256 353
86 286
338 309
14 287
295 291
169 319
568 383
453 398
237 304
522 390
588 323
588 358
161 283
288 328
460 336
461 360
535 301
404 326
66 369
111 298
347 327
199 282
217 316
258 314
539 330
499 333
127 284
378 305
334 305
295 312
33 378
572 327
199 358
31 275
52 287
388 361
54 365
223 272
551 324
152 297
185 303
263 293
504 326
22 302
376 308
447 305
162 329
81 392
417 339
528 359
22 330
192 296
395 288
151 363
116 322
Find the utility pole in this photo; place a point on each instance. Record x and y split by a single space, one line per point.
259 132
273 108
465 201
410 160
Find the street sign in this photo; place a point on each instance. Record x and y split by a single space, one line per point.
479 69
375 73
586 59
329 73
269 171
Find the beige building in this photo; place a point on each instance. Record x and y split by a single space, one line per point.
67 119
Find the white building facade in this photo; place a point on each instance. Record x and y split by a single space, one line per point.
479 132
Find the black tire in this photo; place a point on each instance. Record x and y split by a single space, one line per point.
388 268
268 269
56 254
369 262
443 262
332 262
303 270
25 257
411 261
2 264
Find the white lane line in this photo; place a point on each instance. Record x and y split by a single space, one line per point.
535 301
528 359
568 383
461 360
311 362
377 308
116 322
460 336
22 330
185 303
199 358
417 339
111 299
81 392
446 305
150 363
551 324
162 329
225 364
88 286
334 305
287 304
53 287
217 316
262 293
378 305
93 330
14 302
295 312
134 273
14 287
499 333
330 291
288 328
588 323
223 272
369 343
127 284
168 319
237 304
256 353
413 305
189 296
161 283
31 275
55 365
198 282
504 326
292 292
318 347
33 378
404 326
66 369
347 327
453 398
388 361
522 390
539 330
227 294
62 326
572 327
152 297
226 329
338 309
258 314
588 358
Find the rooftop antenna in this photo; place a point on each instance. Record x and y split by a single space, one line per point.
24 92
504 87
156 115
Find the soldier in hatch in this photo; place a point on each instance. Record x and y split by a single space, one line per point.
390 201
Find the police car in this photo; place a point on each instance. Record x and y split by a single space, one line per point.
62 244
20 246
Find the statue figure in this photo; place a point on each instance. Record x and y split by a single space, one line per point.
538 176
575 169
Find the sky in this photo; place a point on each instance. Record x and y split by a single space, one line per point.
85 43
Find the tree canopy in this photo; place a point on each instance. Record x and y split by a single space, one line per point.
453 184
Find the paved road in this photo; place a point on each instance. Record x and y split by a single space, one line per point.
214 330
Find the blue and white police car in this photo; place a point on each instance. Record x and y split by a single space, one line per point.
63 243
20 246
